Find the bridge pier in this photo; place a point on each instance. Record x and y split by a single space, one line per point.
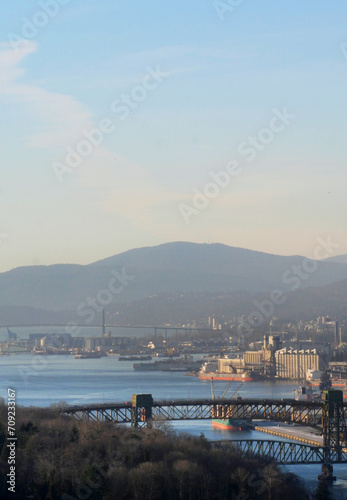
334 432
141 415
327 473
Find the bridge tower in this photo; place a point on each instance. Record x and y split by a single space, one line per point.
334 431
141 415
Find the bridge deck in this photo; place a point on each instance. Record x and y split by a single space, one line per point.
285 410
301 412
281 451
214 402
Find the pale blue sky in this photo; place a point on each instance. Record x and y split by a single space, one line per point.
222 81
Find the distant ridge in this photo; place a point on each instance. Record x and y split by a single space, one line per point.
341 259
170 254
172 267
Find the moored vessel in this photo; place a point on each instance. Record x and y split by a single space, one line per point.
210 371
244 376
314 378
306 393
88 355
231 424
135 357
184 364
225 424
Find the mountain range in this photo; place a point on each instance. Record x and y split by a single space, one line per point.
126 280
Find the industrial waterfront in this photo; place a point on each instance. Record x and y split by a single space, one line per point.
43 381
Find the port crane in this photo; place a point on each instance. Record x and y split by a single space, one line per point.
225 392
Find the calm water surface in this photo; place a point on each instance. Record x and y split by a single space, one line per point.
42 381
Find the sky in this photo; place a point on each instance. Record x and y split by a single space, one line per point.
127 124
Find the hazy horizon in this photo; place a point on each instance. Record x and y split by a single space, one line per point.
126 126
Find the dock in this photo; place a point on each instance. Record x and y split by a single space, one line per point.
297 433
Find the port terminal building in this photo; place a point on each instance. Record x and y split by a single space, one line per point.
294 364
274 360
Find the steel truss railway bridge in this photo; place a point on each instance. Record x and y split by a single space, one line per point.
284 453
328 416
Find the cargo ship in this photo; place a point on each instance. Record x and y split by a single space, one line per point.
335 382
231 424
306 393
50 351
244 376
135 357
88 355
239 375
313 377
184 364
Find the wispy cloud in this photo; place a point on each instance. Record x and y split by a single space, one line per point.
173 59
60 117
179 52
